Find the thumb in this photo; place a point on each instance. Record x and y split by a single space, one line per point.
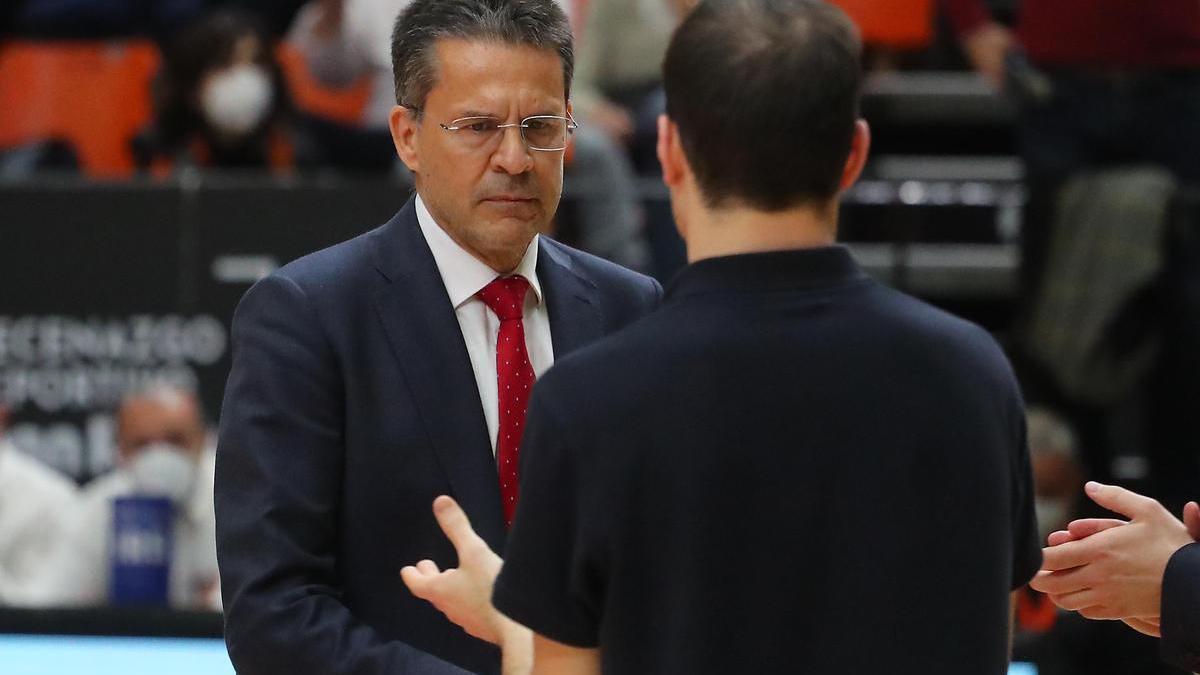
1118 499
454 522
1191 518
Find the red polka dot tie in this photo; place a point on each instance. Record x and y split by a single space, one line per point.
514 381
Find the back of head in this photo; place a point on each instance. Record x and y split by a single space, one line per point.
765 94
535 23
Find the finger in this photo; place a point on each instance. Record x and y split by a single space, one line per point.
416 581
1076 600
1119 500
1144 626
428 568
1081 529
454 522
1191 518
1058 583
1071 554
1059 537
1099 613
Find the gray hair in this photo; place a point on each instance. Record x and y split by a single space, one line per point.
535 23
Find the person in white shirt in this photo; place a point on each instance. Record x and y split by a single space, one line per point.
162 451
345 40
34 504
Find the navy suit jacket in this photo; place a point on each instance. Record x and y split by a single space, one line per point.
350 406
1181 609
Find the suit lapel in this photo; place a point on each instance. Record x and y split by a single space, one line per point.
575 319
426 339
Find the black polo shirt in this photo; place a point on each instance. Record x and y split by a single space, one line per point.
787 468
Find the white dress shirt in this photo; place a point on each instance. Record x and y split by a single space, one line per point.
464 275
35 503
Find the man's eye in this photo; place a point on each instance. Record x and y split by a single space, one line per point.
536 125
481 127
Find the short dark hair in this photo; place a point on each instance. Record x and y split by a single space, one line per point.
765 94
536 23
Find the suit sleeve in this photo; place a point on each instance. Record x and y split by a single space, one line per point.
1180 645
278 491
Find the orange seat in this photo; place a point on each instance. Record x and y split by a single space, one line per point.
901 24
95 95
340 105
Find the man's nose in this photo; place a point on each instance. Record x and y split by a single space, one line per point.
512 156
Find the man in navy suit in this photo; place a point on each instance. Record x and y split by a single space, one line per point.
769 474
371 377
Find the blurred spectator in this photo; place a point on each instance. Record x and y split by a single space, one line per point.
346 40
162 451
27 159
1103 84
277 15
221 102
94 19
618 73
34 504
1057 474
1058 642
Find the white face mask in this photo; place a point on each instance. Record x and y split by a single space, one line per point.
1052 515
164 470
236 100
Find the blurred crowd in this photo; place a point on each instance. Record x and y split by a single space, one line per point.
1108 312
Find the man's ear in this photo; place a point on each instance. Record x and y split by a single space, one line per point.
670 153
403 123
860 147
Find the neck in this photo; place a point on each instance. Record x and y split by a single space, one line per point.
738 230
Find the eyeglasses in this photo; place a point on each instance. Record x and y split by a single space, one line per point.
544 133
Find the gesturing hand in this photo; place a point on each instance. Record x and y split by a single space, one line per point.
463 594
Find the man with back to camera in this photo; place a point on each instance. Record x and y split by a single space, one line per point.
375 375
772 472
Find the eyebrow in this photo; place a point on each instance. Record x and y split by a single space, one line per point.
478 113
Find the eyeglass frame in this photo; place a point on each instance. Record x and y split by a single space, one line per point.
572 125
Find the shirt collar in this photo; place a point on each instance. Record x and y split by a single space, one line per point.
815 268
463 274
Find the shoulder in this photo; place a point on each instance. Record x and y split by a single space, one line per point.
923 325
610 280
330 279
611 367
36 480
329 269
